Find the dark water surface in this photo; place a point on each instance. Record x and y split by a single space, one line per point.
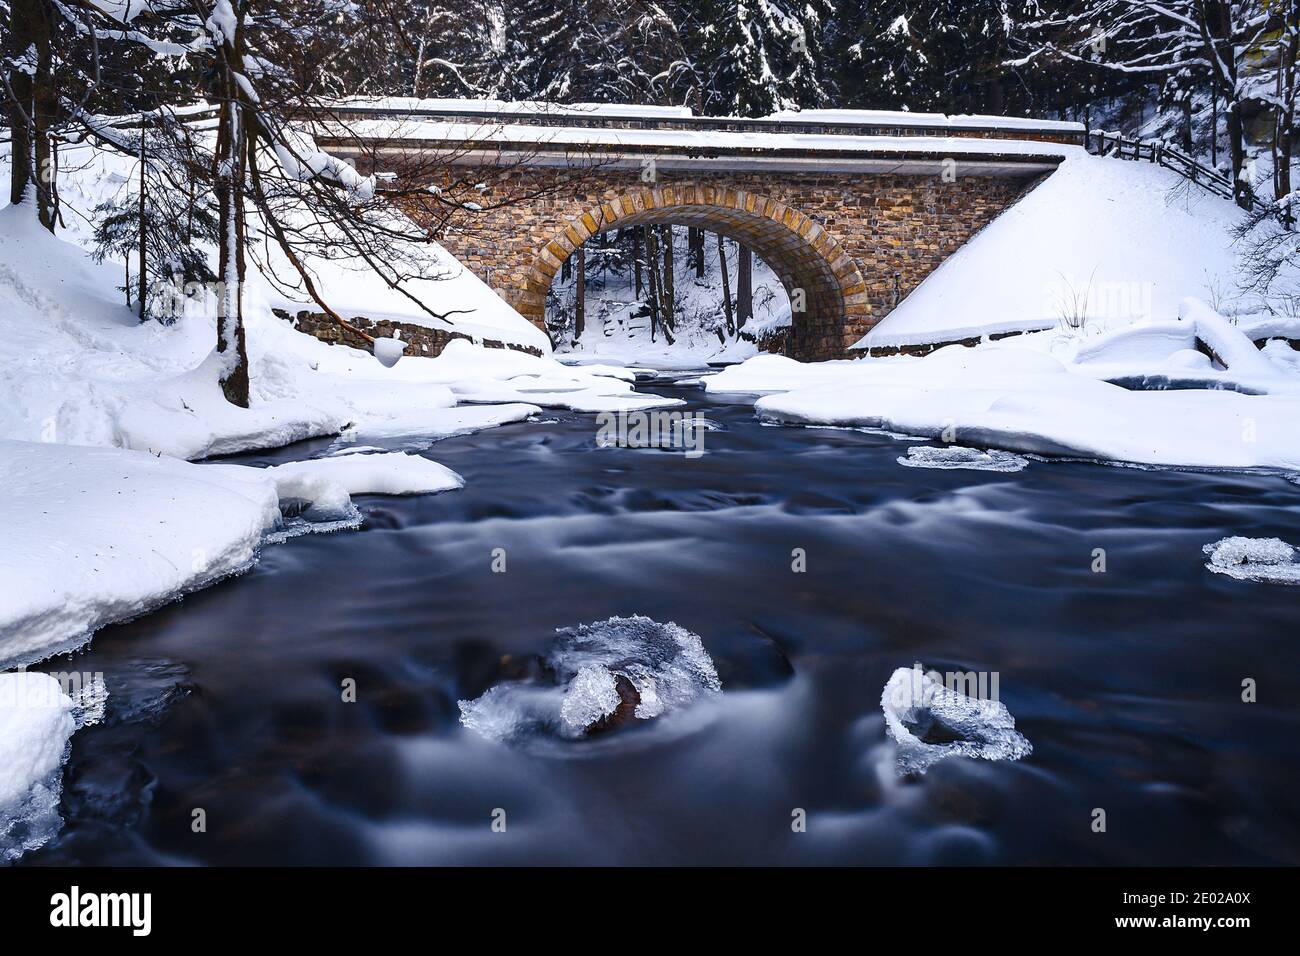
1127 683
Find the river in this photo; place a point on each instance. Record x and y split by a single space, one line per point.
226 713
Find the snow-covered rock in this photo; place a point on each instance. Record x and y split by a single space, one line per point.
1269 560
930 722
394 473
36 723
598 676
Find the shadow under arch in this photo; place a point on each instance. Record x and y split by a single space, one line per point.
801 252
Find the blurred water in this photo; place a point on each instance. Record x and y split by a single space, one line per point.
1127 683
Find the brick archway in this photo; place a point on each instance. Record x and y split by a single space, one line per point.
801 252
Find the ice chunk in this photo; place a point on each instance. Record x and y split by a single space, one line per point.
1269 560
598 676
592 696
36 722
954 456
929 722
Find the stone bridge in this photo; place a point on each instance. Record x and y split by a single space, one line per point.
851 210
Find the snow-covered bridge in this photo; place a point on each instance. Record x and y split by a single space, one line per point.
851 209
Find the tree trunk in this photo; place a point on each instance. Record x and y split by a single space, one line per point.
636 257
670 291
580 299
726 286
1285 128
144 232
696 237
32 106
652 253
232 156
745 288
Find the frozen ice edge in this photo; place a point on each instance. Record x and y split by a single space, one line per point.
959 457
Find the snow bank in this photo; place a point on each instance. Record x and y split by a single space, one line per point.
929 722
1268 560
1118 241
99 535
94 536
36 724
1052 394
380 474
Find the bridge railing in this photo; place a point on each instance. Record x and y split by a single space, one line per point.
1118 146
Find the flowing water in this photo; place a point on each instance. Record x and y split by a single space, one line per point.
1127 683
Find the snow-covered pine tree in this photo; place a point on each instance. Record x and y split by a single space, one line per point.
927 55
761 56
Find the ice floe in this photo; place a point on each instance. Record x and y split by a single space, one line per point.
929 722
598 677
973 459
1268 560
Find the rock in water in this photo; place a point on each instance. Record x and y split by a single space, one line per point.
1269 560
599 677
929 722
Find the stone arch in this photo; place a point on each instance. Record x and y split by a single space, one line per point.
802 253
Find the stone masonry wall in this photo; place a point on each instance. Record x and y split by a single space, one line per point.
856 243
421 342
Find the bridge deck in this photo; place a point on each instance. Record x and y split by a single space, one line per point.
827 141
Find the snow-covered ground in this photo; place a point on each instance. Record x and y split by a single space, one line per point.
1054 393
